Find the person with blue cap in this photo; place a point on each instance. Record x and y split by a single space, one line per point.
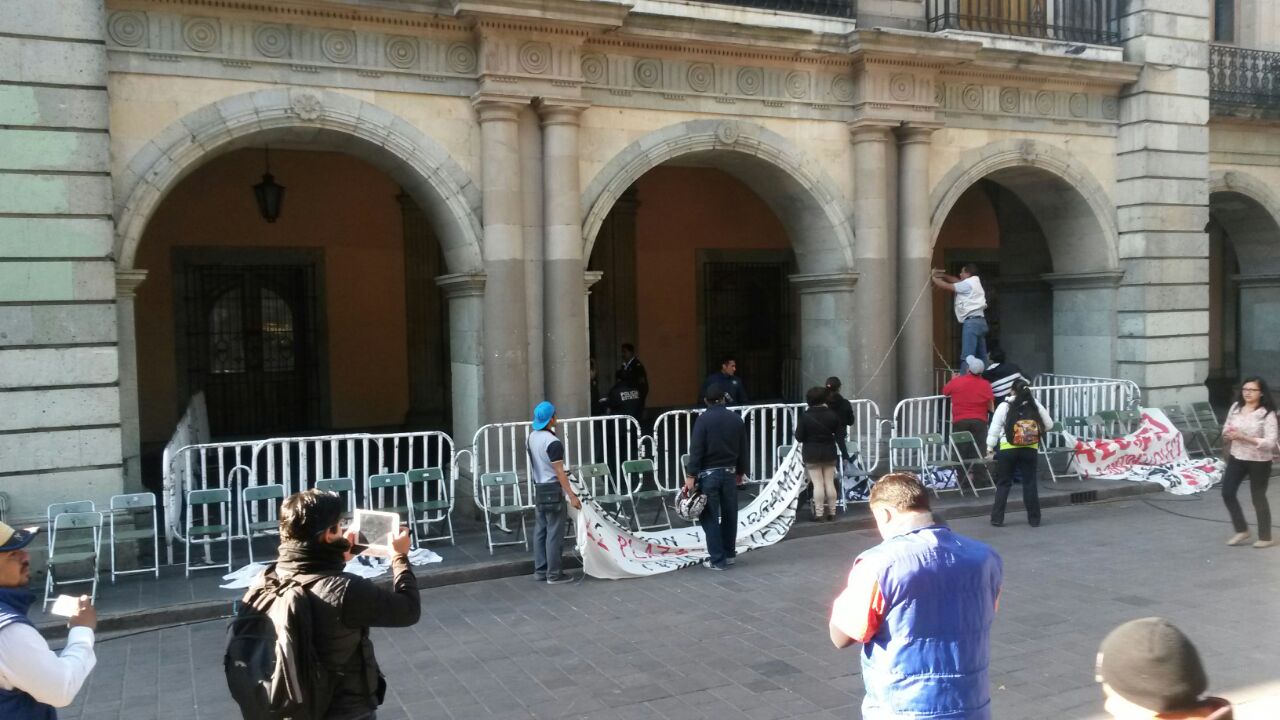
550 488
33 679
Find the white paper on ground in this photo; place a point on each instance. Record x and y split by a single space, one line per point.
370 567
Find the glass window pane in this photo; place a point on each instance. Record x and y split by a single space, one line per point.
277 333
226 334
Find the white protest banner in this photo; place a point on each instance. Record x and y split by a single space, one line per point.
611 552
1154 452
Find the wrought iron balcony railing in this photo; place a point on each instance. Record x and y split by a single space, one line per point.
1244 78
1080 21
829 8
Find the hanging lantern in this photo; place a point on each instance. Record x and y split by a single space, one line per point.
270 195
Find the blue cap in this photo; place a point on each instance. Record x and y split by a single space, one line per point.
543 414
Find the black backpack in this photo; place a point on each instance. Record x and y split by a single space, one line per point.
1022 426
271 664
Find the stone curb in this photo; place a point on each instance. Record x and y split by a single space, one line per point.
128 623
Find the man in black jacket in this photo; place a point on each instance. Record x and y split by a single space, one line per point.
344 607
718 465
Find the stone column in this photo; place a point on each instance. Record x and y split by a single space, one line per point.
506 340
915 255
127 282
531 201
1259 349
468 304
1162 202
565 311
828 341
1084 322
60 437
874 364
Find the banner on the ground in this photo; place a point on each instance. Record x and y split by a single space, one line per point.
611 552
1154 452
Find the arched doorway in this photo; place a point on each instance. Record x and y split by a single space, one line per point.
1244 283
715 239
255 301
1040 231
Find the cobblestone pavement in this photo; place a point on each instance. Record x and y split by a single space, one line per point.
752 642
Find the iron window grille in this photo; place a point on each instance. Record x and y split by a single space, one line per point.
828 8
1096 22
1240 77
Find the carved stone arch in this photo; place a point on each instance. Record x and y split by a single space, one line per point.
816 216
317 118
1249 210
1076 214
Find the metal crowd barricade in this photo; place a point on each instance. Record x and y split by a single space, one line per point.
917 417
298 462
199 467
866 430
670 441
1109 393
768 428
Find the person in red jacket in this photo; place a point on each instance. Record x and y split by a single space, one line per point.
971 401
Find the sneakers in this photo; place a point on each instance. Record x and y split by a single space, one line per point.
997 523
731 561
539 578
1259 545
1238 539
831 516
559 579
707 564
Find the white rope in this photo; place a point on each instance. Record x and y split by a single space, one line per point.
894 344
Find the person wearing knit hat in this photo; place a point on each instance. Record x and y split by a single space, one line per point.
971 404
1149 669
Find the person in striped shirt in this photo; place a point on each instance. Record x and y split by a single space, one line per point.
1002 374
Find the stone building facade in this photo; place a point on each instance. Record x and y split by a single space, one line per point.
479 193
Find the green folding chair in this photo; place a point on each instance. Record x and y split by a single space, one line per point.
435 506
341 486
1207 419
938 453
1054 444
134 504
607 490
1193 438
215 517
968 452
260 524
634 473
87 526
500 497
387 492
907 454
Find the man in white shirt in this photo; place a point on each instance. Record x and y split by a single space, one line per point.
971 301
33 679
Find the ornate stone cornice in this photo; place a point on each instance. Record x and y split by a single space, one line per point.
127 282
459 285
820 283
1073 281
589 278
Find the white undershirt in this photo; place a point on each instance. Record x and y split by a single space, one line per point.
27 664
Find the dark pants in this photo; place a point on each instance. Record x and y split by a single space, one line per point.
548 540
720 520
979 430
1021 461
1258 474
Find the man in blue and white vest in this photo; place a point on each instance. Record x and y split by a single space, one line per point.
921 603
33 679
